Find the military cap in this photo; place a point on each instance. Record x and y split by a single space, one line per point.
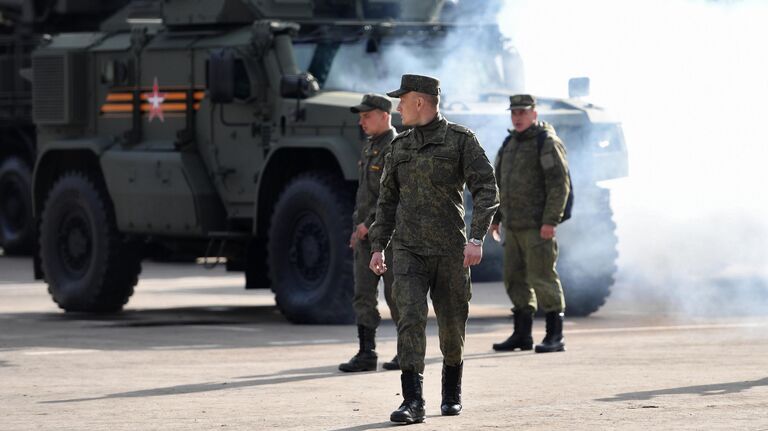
521 101
418 83
372 101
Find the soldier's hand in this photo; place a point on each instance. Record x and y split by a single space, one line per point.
362 231
547 231
473 254
494 231
377 264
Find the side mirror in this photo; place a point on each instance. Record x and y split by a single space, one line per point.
221 66
301 86
578 87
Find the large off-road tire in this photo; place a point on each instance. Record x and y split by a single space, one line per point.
587 261
310 263
87 265
16 221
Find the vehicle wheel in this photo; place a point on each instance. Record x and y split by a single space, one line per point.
16 221
87 265
310 263
587 262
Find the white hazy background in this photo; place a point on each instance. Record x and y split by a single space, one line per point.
689 81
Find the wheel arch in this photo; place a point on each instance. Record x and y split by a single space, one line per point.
18 142
52 163
289 161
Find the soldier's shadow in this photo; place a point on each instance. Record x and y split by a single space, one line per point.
364 427
703 390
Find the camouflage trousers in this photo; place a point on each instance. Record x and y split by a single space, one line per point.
447 282
366 299
529 271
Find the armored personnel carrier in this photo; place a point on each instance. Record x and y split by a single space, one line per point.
222 127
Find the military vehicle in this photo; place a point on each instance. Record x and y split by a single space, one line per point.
23 25
222 128
479 69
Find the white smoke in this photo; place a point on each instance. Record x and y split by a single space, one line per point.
689 81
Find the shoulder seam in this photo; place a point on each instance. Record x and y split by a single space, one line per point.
461 129
403 134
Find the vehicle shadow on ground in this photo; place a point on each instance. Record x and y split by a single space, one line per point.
220 327
171 316
285 376
16 270
193 326
703 390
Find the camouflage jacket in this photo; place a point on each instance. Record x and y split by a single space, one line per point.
371 168
533 186
421 196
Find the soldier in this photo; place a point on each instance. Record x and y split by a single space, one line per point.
534 183
376 122
421 201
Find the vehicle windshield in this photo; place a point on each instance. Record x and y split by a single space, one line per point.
471 63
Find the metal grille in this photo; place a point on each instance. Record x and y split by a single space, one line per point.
49 92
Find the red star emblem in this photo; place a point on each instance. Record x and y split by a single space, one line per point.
156 103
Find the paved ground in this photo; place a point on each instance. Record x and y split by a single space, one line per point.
193 351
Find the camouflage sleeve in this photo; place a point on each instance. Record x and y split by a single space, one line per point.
354 216
556 181
389 196
368 222
371 216
358 194
481 182
497 171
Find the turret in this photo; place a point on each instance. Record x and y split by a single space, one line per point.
241 12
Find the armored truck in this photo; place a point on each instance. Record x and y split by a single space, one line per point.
23 26
222 128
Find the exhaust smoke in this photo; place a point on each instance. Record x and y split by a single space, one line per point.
688 80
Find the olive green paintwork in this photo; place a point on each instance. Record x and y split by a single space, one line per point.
163 184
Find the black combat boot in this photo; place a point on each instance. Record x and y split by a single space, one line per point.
451 404
365 359
412 409
521 337
553 341
394 364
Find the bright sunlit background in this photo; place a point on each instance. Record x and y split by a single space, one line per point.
689 81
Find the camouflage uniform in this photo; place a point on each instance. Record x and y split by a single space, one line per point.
533 187
366 301
421 200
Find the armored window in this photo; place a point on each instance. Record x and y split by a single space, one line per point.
241 80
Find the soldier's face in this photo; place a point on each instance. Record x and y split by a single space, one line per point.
374 122
522 119
408 109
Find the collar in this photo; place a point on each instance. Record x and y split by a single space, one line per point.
530 132
432 132
384 137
